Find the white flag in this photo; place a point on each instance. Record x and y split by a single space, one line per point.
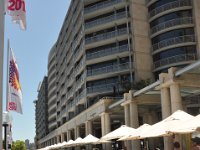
17 10
14 88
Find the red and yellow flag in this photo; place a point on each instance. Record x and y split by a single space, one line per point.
14 88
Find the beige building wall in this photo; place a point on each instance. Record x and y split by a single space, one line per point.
196 11
141 40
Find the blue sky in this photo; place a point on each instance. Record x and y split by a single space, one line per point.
31 48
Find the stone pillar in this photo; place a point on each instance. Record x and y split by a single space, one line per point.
105 127
62 137
69 135
88 127
166 111
57 139
134 122
77 131
127 119
176 100
107 123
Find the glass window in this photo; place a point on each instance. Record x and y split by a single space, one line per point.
172 34
174 52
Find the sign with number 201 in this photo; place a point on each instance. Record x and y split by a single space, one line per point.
16 5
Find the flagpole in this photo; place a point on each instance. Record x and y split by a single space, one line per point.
2 7
7 79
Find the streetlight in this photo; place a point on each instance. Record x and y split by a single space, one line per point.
6 121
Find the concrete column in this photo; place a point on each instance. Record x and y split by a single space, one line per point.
166 111
105 127
88 127
107 123
62 137
102 124
127 114
57 139
176 100
69 135
134 122
77 131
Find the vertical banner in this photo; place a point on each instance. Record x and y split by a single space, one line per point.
14 88
17 10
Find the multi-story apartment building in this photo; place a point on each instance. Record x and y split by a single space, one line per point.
41 116
105 46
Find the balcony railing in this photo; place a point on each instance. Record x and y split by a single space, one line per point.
80 96
109 69
105 20
106 36
70 105
168 6
106 52
173 41
171 23
175 59
101 5
103 88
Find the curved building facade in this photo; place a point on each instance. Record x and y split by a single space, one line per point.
173 33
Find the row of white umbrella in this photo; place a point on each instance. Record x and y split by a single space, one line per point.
90 139
179 122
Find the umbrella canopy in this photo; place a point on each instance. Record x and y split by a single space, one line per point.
163 127
136 134
90 139
70 142
118 133
188 126
78 141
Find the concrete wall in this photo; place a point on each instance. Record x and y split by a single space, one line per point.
196 11
141 40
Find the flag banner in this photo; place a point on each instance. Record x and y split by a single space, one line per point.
17 10
14 88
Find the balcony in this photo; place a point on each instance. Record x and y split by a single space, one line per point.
169 6
80 97
105 88
109 69
79 52
70 93
80 82
71 106
80 66
171 23
106 52
168 43
175 59
105 36
105 20
101 5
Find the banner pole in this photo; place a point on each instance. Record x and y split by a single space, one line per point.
2 11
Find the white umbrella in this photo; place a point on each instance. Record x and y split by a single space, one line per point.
162 128
136 134
78 141
69 143
188 126
90 139
118 133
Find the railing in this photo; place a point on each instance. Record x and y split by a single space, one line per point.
105 20
70 105
79 66
78 52
174 59
171 23
108 69
173 41
106 36
70 93
103 88
80 96
80 81
106 52
168 6
101 5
